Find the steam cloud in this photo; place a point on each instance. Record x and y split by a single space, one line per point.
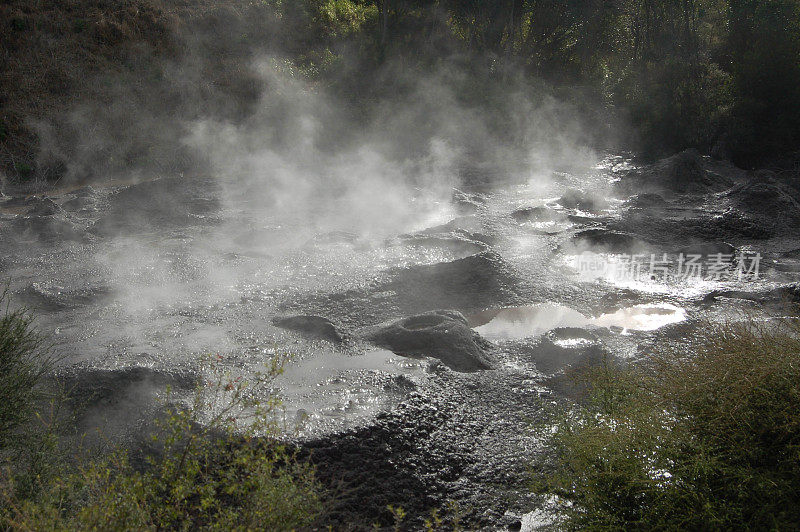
293 164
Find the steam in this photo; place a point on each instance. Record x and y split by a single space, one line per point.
311 187
299 158
300 170
277 163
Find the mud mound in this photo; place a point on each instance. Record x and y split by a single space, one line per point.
788 294
605 240
48 228
767 199
466 203
158 204
468 285
333 237
707 249
764 208
38 218
82 200
80 204
646 201
684 173
457 245
47 297
440 334
43 207
464 228
85 192
577 199
315 327
537 214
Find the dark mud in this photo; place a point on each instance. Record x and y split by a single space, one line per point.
683 173
312 327
441 445
444 335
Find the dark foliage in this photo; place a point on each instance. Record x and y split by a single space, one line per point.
722 76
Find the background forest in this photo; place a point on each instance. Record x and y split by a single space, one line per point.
648 76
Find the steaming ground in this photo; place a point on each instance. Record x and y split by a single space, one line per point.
136 283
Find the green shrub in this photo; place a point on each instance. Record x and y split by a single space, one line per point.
338 18
24 359
675 104
213 465
764 49
710 441
19 24
24 170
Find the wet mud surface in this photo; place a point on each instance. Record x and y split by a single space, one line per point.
420 357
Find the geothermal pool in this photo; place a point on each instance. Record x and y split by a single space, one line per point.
136 283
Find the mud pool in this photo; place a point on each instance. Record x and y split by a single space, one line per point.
136 283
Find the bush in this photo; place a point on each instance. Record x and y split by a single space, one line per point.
213 465
710 441
675 104
764 48
24 359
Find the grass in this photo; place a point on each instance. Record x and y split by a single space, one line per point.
703 442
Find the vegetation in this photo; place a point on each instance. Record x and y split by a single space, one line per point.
707 442
24 359
722 76
211 465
